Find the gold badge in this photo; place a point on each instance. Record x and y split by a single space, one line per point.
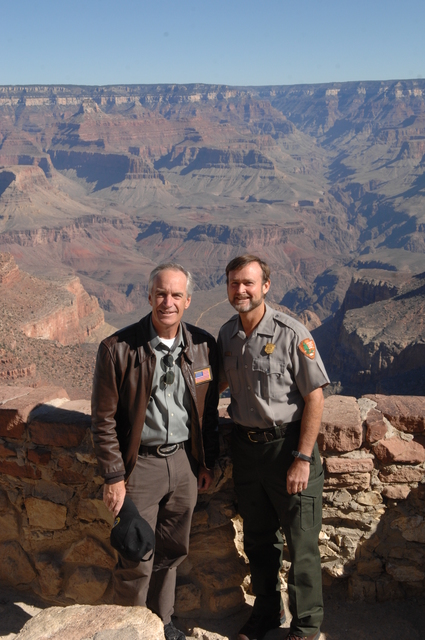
269 348
308 348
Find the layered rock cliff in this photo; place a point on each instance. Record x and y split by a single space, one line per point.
72 323
42 325
378 336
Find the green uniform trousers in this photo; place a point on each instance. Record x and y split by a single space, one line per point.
259 472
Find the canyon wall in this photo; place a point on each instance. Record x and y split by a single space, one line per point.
49 329
55 529
72 323
376 340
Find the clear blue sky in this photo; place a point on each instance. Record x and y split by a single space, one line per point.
235 42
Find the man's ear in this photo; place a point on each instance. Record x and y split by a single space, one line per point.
150 299
266 287
188 301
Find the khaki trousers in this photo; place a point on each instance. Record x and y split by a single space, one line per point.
165 492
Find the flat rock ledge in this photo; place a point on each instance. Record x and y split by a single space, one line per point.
85 622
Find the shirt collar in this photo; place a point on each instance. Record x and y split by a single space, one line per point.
265 327
155 341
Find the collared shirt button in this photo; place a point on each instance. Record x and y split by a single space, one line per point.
249 388
251 409
169 394
246 366
172 414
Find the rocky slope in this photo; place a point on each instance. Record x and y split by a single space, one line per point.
376 341
42 325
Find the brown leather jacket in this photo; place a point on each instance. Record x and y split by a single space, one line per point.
122 387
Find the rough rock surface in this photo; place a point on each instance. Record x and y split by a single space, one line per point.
341 428
42 324
83 622
376 340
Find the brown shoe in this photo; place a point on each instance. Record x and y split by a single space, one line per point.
292 636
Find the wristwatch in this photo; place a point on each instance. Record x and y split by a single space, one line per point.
301 456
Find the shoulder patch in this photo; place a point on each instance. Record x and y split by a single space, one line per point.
308 348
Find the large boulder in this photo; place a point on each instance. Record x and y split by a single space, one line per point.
104 622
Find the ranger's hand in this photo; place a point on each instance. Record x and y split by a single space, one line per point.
297 476
113 496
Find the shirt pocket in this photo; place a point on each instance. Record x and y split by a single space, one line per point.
230 365
271 377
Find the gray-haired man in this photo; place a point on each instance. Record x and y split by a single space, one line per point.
154 423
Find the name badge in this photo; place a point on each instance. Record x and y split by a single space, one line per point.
203 375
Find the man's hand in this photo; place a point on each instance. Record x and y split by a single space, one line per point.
297 476
205 478
113 496
299 471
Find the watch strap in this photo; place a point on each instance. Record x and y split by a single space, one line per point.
301 456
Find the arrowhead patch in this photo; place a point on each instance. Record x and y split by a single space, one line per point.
308 348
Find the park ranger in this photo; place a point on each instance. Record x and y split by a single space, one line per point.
275 375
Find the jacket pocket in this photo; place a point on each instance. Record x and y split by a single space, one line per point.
311 504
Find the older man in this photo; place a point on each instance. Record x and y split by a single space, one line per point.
275 375
154 423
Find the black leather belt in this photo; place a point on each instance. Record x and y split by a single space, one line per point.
160 450
261 436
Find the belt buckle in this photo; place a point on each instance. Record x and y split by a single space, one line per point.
268 436
165 450
252 433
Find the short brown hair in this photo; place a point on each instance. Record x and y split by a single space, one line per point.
242 261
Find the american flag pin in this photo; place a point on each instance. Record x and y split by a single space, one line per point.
203 375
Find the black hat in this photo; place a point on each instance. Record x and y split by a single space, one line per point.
131 534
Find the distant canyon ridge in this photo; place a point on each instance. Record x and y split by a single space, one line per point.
326 182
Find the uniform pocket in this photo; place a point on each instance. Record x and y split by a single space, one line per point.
230 365
271 376
311 504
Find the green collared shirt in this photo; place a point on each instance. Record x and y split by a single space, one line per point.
168 412
270 372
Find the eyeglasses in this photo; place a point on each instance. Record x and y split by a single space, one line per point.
168 377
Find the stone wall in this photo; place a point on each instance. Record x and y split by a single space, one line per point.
54 534
374 498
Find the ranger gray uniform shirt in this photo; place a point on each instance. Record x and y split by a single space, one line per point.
270 372
168 412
